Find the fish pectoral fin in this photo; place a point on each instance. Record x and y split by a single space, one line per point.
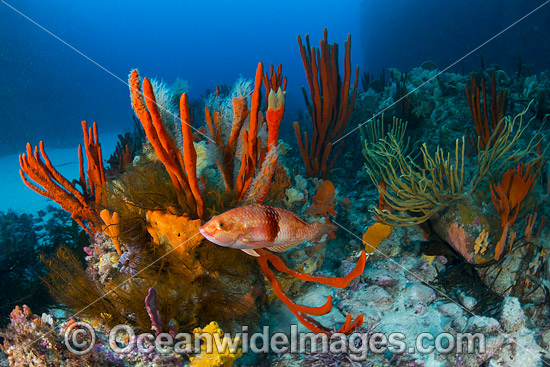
250 252
260 244
284 247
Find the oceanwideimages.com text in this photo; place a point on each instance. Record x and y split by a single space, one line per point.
80 339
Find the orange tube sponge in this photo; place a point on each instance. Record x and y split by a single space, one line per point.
96 171
166 149
190 155
302 312
249 160
274 116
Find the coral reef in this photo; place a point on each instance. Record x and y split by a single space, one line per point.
143 214
30 340
150 241
452 213
418 188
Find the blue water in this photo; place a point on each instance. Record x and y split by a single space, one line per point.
48 87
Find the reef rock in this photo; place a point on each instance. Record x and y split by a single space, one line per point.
420 292
375 296
381 277
355 308
450 310
456 325
511 316
467 301
482 324
462 227
415 306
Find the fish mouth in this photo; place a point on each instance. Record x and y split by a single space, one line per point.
203 232
206 234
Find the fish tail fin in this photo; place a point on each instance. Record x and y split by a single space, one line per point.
321 229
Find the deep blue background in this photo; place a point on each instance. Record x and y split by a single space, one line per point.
47 88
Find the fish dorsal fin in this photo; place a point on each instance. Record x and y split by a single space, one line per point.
296 217
284 247
300 219
250 252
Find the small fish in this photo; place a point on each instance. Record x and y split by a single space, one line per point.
259 226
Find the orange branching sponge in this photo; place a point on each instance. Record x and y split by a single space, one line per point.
259 187
275 87
374 235
304 313
330 107
50 183
507 196
112 227
257 163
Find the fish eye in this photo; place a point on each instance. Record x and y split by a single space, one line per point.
220 224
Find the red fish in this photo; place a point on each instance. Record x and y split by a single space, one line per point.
259 226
